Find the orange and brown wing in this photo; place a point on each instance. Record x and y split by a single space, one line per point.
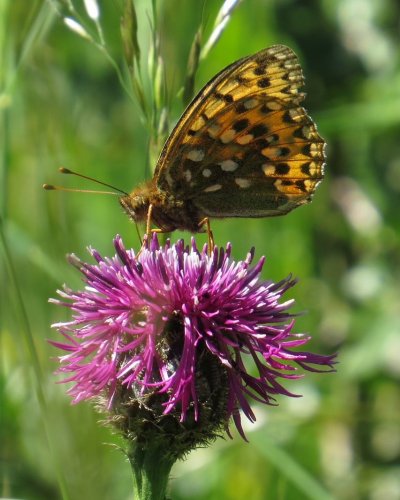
245 147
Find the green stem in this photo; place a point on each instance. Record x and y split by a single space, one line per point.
151 468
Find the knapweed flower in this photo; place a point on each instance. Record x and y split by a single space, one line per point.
168 321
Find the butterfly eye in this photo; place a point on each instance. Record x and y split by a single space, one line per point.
136 206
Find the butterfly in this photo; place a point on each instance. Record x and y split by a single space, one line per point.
244 147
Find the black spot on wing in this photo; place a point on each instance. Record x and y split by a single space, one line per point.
287 118
240 108
305 169
260 70
300 184
282 169
240 125
299 132
240 79
284 151
264 82
258 130
224 97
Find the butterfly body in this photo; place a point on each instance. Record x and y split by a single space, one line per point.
244 147
168 213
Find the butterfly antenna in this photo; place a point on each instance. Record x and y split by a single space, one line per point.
51 187
67 171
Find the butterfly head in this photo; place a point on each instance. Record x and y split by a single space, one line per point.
136 204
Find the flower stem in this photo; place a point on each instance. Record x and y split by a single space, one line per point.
151 467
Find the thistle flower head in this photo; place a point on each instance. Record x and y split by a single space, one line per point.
175 320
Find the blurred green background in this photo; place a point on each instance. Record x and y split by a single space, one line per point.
61 103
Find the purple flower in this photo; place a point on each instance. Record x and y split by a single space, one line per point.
120 334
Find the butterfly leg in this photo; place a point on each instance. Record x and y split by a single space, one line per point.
149 231
210 235
148 221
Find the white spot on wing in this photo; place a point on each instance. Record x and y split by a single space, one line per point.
310 184
243 183
169 178
306 131
250 103
288 64
296 114
279 185
314 149
228 135
200 122
294 76
274 105
214 187
268 169
213 130
245 139
188 175
228 165
273 152
280 55
313 167
195 155
206 172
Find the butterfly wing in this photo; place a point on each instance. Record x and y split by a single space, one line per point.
245 147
